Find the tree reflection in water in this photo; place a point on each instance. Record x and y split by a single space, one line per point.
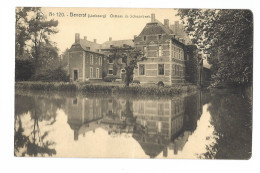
231 116
40 109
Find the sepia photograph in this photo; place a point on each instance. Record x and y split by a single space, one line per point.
146 83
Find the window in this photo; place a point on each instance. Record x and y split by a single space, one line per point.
91 72
175 69
124 59
159 37
145 51
97 73
160 109
160 69
144 38
110 71
141 69
75 101
141 108
110 60
160 50
100 60
91 59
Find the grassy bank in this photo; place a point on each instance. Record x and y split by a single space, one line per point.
106 88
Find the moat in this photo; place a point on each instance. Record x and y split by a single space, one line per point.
199 125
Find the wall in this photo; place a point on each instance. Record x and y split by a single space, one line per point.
153 59
178 64
95 65
76 62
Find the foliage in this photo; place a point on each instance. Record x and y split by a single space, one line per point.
49 58
91 88
46 86
48 75
160 83
21 32
131 55
227 36
33 31
24 69
136 81
110 78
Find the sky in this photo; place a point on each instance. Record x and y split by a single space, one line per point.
102 28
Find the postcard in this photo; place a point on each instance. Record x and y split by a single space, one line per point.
133 83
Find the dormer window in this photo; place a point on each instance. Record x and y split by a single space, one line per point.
144 38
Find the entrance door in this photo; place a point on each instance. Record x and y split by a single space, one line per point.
75 75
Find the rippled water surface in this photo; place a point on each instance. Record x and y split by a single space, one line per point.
199 125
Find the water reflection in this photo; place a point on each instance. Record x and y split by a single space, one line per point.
40 109
111 126
231 116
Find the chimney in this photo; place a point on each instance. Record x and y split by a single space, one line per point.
152 17
176 27
95 40
166 23
85 37
77 38
110 38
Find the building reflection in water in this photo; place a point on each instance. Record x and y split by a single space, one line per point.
158 125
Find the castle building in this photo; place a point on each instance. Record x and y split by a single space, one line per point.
91 61
165 54
169 57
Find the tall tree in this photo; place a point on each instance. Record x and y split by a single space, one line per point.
132 56
21 33
39 30
33 30
227 35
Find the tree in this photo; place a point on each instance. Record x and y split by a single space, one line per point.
21 33
39 29
33 30
49 58
227 35
132 56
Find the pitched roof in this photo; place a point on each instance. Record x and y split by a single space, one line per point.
89 46
155 28
117 43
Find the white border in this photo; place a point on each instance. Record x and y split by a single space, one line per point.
11 164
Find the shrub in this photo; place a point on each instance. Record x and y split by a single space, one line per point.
50 75
24 69
160 83
136 82
110 78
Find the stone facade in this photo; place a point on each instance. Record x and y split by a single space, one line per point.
165 54
85 64
168 58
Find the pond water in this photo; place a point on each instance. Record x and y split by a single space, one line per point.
215 125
